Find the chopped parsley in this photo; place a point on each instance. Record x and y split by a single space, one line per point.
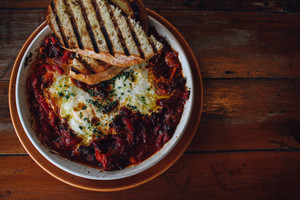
132 107
91 92
143 100
66 94
104 106
126 75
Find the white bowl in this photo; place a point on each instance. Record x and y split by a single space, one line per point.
81 170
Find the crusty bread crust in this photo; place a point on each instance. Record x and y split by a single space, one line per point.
55 31
93 79
119 60
92 71
72 25
143 16
129 6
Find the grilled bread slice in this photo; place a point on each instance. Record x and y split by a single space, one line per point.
99 30
134 9
92 71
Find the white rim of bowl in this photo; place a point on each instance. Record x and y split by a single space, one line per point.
131 170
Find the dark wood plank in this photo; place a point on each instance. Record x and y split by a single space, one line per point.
16 26
226 5
4 109
248 175
241 45
249 114
9 142
262 5
226 44
24 4
237 114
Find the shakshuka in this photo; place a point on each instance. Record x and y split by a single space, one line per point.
113 124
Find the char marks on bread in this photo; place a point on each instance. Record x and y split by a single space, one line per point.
100 30
134 9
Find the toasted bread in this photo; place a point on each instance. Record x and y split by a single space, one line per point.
134 9
99 30
92 71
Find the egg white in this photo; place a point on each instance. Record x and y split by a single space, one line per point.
134 89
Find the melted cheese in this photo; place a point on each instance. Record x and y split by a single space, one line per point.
133 88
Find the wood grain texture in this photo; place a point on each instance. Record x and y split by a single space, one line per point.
249 114
16 27
226 44
237 114
9 142
225 5
194 176
241 45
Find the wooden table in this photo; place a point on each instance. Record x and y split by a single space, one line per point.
248 143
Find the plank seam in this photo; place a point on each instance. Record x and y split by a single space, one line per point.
180 9
200 152
244 150
13 154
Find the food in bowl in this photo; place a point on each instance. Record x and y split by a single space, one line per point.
113 124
